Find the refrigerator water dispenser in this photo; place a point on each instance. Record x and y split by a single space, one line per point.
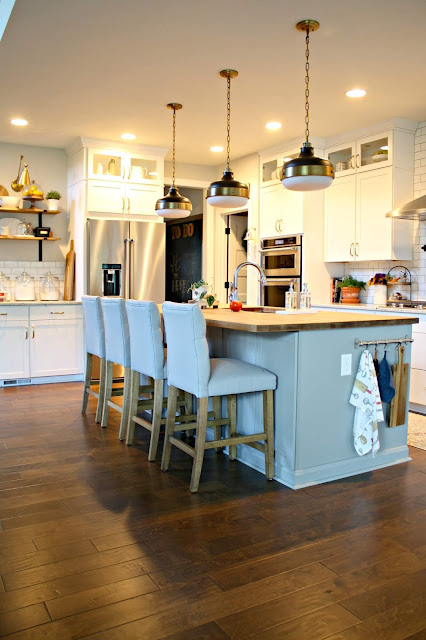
111 279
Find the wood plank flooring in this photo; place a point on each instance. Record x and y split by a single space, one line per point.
96 542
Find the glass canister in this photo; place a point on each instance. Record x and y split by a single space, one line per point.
25 287
49 287
5 288
24 229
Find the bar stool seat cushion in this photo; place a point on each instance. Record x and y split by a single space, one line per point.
117 336
229 376
94 332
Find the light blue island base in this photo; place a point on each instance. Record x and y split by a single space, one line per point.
313 417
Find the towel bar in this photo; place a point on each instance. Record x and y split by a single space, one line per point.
362 343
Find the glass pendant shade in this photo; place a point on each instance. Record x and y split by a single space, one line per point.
307 172
173 205
228 193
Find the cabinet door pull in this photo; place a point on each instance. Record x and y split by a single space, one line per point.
279 225
128 204
357 165
124 203
33 328
276 226
351 162
57 313
356 248
3 314
26 333
351 249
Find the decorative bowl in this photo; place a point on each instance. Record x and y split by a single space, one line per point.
10 202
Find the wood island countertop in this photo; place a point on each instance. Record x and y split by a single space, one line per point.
256 322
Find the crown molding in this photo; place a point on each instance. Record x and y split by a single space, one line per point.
115 145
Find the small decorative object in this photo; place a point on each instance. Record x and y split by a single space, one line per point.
69 273
235 305
210 300
341 166
22 179
41 232
350 290
379 281
49 287
32 193
10 202
4 231
380 156
53 198
199 290
100 169
24 229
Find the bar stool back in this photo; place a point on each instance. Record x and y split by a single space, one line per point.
190 368
146 357
94 338
117 351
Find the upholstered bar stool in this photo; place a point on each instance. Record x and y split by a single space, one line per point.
94 338
147 358
190 368
117 351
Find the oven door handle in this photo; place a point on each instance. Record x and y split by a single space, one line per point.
287 248
275 281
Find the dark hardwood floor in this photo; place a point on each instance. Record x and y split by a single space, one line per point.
96 542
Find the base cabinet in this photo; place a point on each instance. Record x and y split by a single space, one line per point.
41 341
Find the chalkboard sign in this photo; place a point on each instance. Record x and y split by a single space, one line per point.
183 257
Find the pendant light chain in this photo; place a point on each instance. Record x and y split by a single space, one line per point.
228 124
174 147
307 87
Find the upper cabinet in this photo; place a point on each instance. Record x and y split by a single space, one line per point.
364 154
121 166
271 167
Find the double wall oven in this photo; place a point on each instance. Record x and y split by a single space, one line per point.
282 265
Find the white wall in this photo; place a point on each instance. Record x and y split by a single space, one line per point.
417 266
47 166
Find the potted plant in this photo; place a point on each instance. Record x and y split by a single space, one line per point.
199 290
350 289
53 198
379 281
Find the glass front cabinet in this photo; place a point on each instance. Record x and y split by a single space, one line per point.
113 165
364 154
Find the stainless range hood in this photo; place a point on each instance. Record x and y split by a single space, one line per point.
414 210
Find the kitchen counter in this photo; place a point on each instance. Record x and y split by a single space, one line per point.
371 307
313 417
31 303
256 322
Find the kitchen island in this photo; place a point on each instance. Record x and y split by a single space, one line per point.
313 417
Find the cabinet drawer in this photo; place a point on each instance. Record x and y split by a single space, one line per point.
56 312
8 313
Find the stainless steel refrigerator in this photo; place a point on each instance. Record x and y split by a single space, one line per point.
126 258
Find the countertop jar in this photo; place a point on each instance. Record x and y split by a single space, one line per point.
5 288
49 287
25 287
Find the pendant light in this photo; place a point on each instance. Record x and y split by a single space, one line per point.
307 172
228 193
173 205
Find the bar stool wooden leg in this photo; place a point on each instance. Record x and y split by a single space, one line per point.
108 393
268 422
232 417
156 419
87 381
126 401
101 397
217 410
134 396
170 424
200 442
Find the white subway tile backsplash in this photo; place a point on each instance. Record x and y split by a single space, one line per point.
13 269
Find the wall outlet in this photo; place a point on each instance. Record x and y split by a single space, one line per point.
346 364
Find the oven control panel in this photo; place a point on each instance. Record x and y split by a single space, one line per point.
283 241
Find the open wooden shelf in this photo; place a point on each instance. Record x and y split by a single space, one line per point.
26 238
34 210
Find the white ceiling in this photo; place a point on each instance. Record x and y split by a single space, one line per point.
101 67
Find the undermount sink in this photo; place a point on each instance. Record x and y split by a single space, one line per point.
261 309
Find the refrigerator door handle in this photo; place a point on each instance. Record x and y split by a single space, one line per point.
125 283
131 267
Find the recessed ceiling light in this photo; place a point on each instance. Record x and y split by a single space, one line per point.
128 136
273 125
356 93
216 149
19 122
385 147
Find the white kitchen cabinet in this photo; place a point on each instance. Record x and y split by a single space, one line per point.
281 211
141 199
14 351
355 223
56 347
105 197
121 166
365 154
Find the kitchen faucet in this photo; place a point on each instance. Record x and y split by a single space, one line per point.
234 285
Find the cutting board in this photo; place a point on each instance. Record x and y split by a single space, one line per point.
400 380
69 273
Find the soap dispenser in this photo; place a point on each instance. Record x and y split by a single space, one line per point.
291 298
305 297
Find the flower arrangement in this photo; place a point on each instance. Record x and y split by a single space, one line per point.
378 278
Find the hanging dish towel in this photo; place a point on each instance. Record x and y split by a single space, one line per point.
368 412
386 385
